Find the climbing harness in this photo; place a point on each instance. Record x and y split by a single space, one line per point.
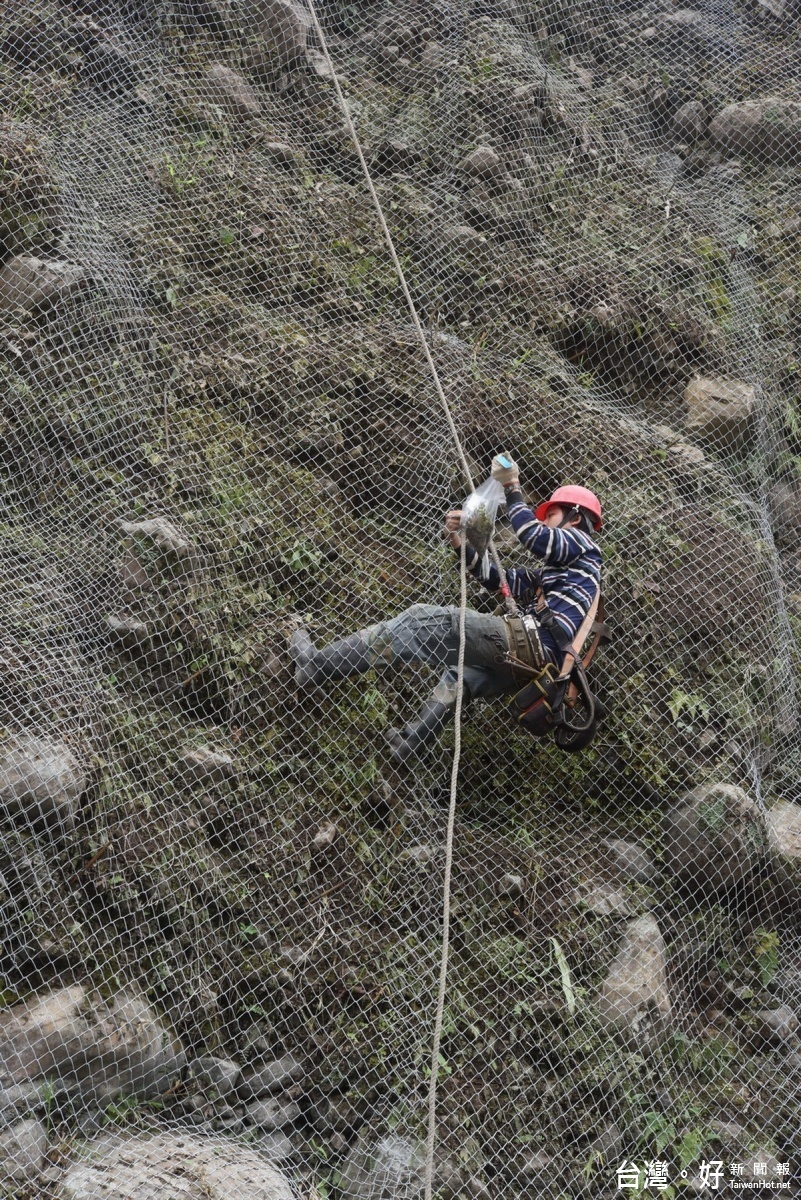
560 703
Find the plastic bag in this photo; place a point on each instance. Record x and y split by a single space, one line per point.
480 512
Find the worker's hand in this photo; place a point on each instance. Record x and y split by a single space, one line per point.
505 470
453 522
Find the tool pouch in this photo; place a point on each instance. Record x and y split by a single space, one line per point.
533 706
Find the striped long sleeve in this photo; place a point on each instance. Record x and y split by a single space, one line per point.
569 570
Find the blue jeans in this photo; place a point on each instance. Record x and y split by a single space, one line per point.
429 633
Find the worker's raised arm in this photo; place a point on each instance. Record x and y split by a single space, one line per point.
519 579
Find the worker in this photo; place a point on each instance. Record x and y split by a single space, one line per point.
553 600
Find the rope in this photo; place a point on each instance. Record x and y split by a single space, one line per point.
439 1013
393 252
446 896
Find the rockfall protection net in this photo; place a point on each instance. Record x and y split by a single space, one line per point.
222 904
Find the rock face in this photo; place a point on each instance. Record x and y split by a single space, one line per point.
163 533
232 92
392 1166
484 162
719 413
784 842
272 1077
634 1000
170 1166
769 129
41 781
22 1151
204 765
690 122
715 837
83 1045
28 283
285 26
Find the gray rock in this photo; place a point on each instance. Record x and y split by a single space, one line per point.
280 153
284 25
83 1044
324 837
41 781
233 93
484 162
394 1166
393 155
272 1114
23 1146
381 1170
775 1026
785 508
603 898
215 1076
768 129
715 837
336 1114
720 413
201 764
510 887
422 855
634 1000
690 121
271 1077
784 843
28 283
164 1165
464 237
128 633
632 861
277 1146
166 536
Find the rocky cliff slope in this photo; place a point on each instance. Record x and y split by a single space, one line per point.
223 909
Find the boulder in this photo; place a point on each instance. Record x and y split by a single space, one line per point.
169 1166
395 156
284 25
377 1170
690 121
602 898
162 532
768 129
784 843
22 1152
720 413
785 509
83 1045
28 283
201 764
272 1077
394 1166
484 162
775 1026
41 781
218 1077
463 237
233 93
634 1001
632 861
281 153
127 633
269 1115
715 837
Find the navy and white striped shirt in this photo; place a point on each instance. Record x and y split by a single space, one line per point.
570 571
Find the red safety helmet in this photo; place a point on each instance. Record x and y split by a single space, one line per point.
568 497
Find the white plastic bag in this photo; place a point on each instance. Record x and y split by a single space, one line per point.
480 512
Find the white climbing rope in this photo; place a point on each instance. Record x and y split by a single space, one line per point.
446 891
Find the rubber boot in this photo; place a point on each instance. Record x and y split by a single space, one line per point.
406 742
337 661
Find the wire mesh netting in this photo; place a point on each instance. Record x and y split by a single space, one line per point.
222 914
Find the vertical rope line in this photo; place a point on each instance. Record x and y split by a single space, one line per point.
446 888
391 245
